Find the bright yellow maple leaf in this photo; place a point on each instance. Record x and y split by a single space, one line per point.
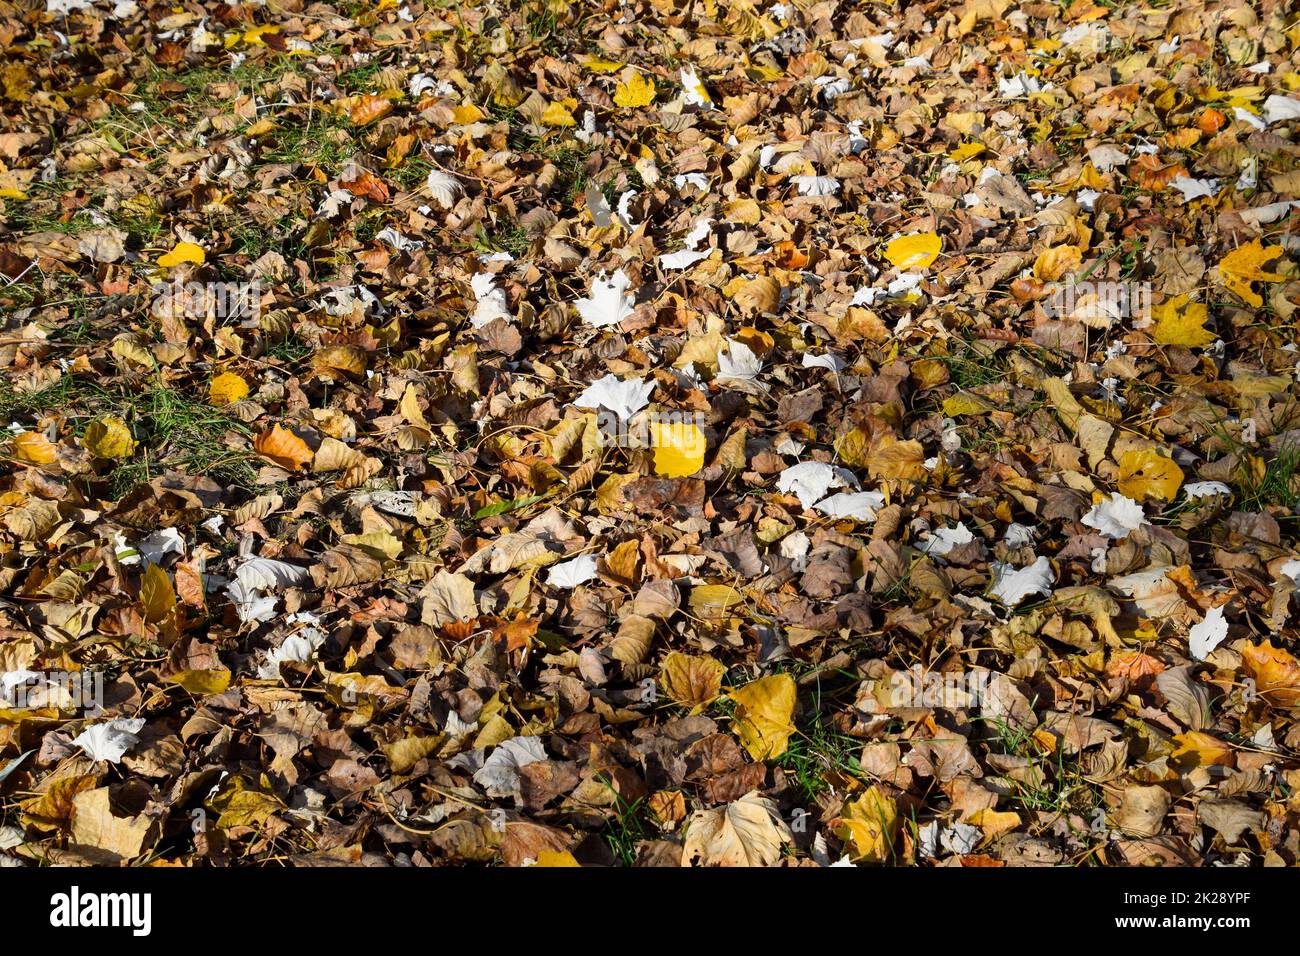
1244 265
1179 322
557 114
868 825
636 91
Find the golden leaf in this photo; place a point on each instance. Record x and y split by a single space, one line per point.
764 709
367 108
1055 261
635 92
868 824
1245 265
182 252
691 680
1147 474
1179 322
34 448
557 114
1276 673
157 596
679 448
109 437
915 251
200 683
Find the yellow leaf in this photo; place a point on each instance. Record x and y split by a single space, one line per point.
868 824
182 252
1146 474
636 91
226 389
466 113
915 251
678 448
156 594
1055 261
1179 322
711 601
557 114
898 460
1197 749
763 715
994 822
597 65
109 438
34 448
553 858
692 680
254 36
284 448
966 403
965 151
200 683
1245 265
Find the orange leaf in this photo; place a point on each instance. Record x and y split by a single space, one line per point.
284 448
1275 672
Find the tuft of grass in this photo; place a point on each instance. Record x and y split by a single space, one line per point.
626 828
173 430
1057 784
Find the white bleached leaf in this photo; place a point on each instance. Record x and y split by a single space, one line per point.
943 540
623 397
1018 535
1116 516
1279 109
443 187
1012 585
859 505
110 741
499 775
491 300
571 573
156 547
827 361
737 361
1208 634
1205 489
1194 188
693 90
609 302
266 574
334 202
810 480
297 647
816 185
398 241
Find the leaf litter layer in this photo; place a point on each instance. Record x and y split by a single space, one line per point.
649 434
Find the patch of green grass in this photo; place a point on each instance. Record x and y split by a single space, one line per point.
173 430
1056 784
288 350
323 140
818 752
1279 484
627 827
360 79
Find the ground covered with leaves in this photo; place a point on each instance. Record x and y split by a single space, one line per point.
661 433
